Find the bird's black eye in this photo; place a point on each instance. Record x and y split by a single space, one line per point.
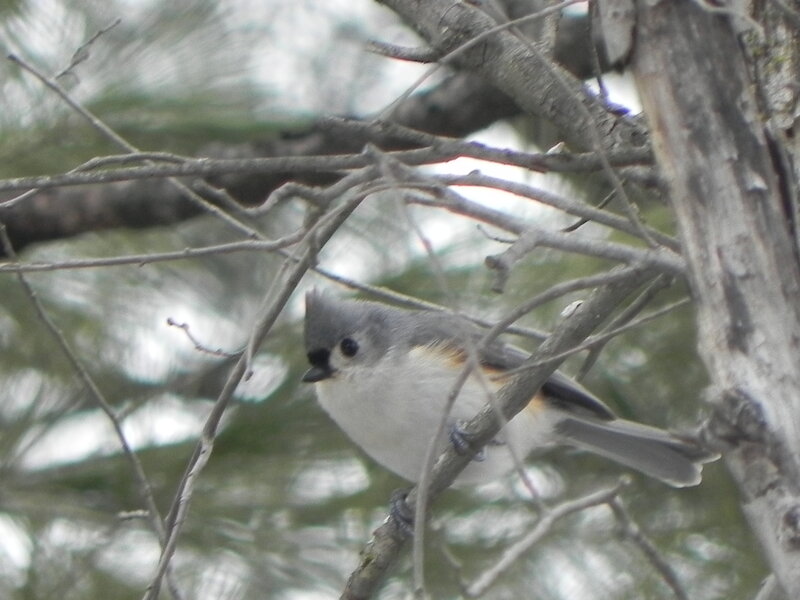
349 347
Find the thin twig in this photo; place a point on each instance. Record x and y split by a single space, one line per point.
379 131
660 259
543 526
601 205
567 205
556 291
421 54
197 344
100 162
82 52
204 167
634 533
144 259
597 70
391 171
294 271
143 483
604 337
633 309
112 135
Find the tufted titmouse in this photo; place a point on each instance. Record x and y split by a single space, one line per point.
384 375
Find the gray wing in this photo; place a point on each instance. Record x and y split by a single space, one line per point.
562 391
586 421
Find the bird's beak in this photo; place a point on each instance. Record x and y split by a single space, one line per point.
315 374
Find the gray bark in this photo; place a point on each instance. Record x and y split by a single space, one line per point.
523 71
729 194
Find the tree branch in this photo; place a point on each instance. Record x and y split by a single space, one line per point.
537 85
512 554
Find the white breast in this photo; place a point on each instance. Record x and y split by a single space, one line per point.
393 411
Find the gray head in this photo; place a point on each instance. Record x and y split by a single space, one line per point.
345 335
341 335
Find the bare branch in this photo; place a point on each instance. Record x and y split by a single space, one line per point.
568 162
635 534
197 344
567 205
601 205
143 259
536 84
594 136
544 525
556 291
293 271
109 133
603 338
143 483
82 52
209 166
626 316
535 236
422 54
661 260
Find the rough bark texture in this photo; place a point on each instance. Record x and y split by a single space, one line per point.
728 193
524 72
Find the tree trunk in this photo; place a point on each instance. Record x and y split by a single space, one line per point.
731 197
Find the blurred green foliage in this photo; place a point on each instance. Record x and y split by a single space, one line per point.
286 501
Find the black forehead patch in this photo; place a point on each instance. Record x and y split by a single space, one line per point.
319 357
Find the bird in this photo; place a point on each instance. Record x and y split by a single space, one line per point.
384 373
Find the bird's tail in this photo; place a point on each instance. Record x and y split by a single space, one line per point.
673 459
